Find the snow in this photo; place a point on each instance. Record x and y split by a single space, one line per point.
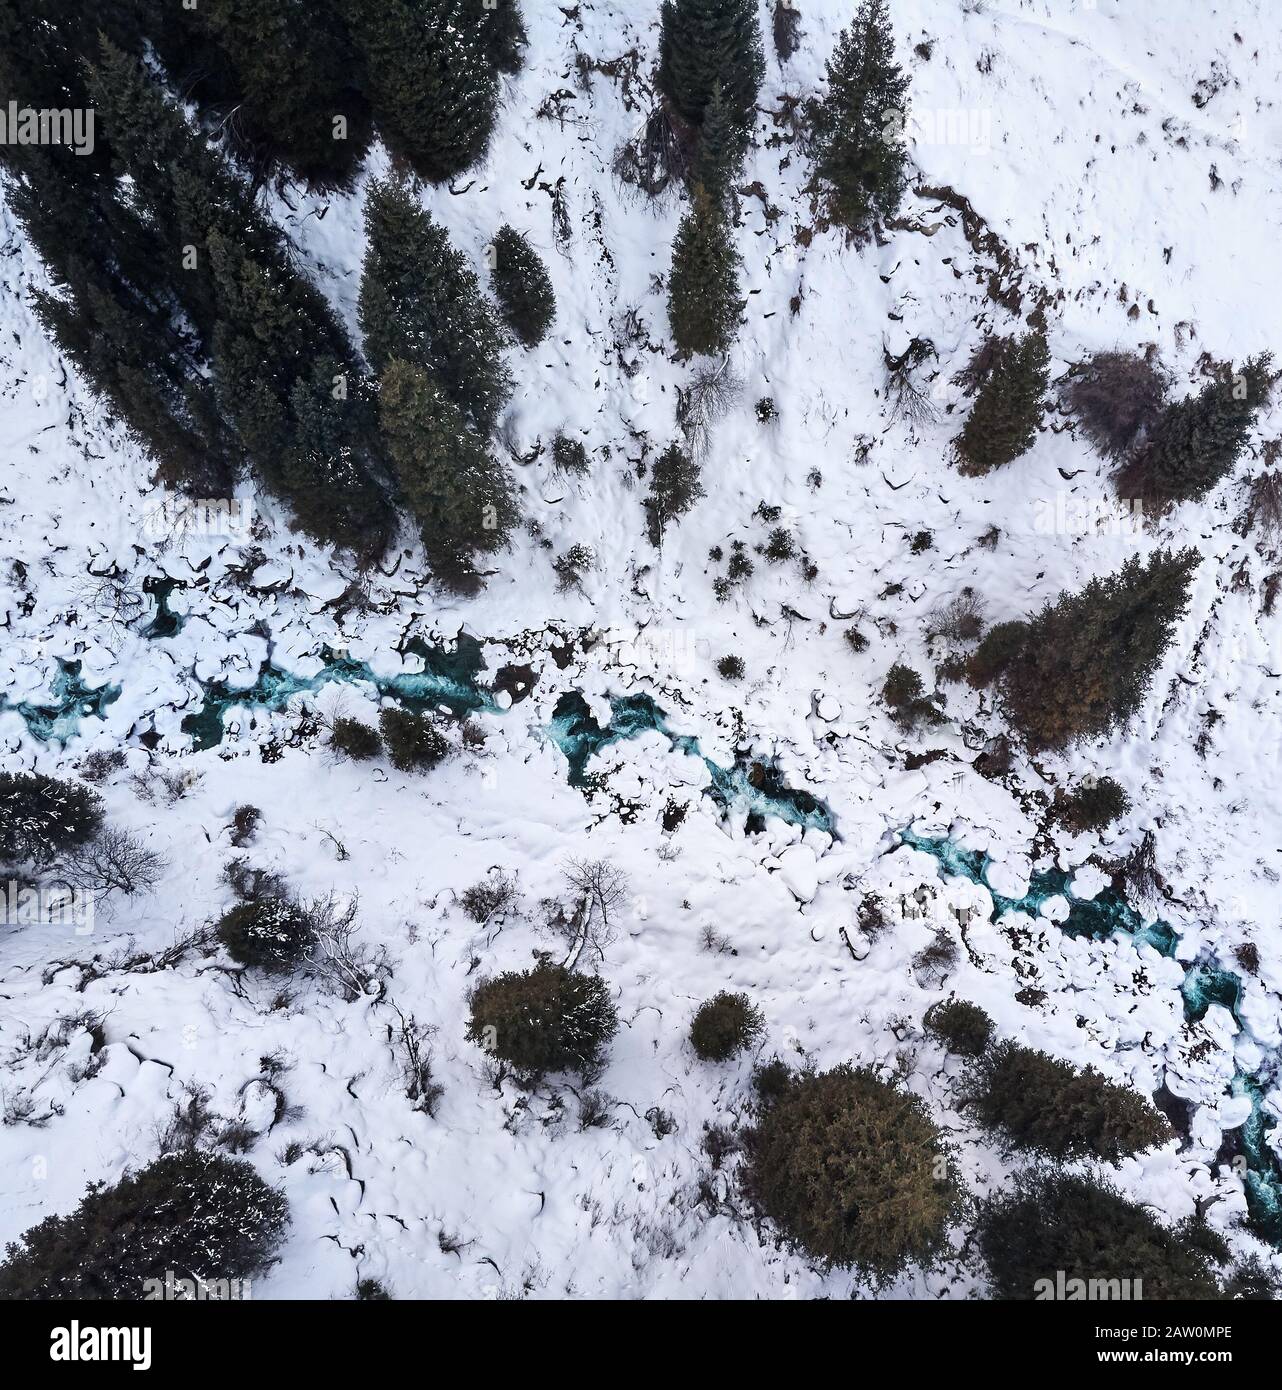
1095 172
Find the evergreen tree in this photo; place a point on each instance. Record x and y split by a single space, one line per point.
674 489
859 150
187 1215
523 287
1086 660
42 817
421 303
1040 1103
1082 1226
719 154
706 43
703 285
431 81
459 495
1003 421
282 77
854 1171
1196 442
502 31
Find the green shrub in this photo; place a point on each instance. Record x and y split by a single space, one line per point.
854 1171
355 740
961 1026
731 668
1002 645
1052 1221
549 1019
569 455
1043 1104
270 934
414 743
724 1026
193 1215
903 693
771 1081
41 817
1093 806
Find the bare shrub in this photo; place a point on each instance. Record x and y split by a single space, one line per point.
493 894
658 157
786 28
711 393
961 619
341 963
1264 503
908 399
412 1043
602 889
113 862
1116 396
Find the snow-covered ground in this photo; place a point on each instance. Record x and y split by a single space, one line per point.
1129 158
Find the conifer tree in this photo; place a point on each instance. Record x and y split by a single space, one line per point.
859 150
522 286
431 81
502 31
703 285
1003 421
283 79
459 495
674 489
719 154
421 302
1086 660
704 43
1197 441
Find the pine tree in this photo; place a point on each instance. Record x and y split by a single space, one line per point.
522 286
719 154
1087 659
1196 442
704 43
674 489
459 495
420 302
283 77
703 285
859 150
502 30
1003 422
431 81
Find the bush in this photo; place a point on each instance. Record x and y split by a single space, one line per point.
962 1027
1043 1104
523 288
197 1215
771 1081
1000 647
569 455
848 1167
414 743
1116 396
352 739
1052 1221
908 705
548 1019
724 1026
482 900
1097 803
270 934
42 817
674 489
731 668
